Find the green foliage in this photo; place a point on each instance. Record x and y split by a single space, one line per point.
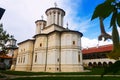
3 39
115 68
104 10
3 35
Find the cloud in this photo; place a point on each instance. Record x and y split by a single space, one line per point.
86 42
20 16
75 21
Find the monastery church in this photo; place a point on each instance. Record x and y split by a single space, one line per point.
53 47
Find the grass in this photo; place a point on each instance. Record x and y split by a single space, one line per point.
2 76
95 71
68 78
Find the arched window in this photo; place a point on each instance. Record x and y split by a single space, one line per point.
21 59
40 44
18 59
79 58
73 42
36 57
24 50
24 59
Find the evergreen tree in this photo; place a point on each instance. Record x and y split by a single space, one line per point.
4 36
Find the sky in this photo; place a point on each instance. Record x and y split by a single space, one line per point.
20 16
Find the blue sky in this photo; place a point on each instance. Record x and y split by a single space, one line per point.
84 11
20 16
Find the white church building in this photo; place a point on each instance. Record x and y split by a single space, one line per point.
53 47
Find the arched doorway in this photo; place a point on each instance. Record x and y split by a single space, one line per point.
90 64
110 63
94 64
99 64
104 64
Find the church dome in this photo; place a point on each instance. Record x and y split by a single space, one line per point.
55 15
54 10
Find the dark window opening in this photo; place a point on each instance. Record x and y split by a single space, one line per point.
73 42
35 57
58 59
40 44
24 59
57 69
79 58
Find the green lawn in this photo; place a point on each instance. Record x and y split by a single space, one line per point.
95 71
23 73
1 76
68 78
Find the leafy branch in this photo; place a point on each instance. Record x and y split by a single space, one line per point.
4 36
104 10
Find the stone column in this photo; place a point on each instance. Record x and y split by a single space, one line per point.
42 24
52 19
48 19
56 18
60 19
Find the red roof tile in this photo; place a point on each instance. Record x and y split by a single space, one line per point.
5 57
97 49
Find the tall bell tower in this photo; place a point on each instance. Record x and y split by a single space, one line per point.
55 15
40 25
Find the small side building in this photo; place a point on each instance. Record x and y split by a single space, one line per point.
97 56
5 61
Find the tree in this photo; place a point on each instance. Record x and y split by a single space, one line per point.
3 39
104 10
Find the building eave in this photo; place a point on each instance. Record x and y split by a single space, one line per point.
105 48
54 8
26 41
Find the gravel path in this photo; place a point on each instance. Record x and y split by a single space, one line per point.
15 76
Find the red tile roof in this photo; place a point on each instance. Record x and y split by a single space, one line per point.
5 57
104 48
